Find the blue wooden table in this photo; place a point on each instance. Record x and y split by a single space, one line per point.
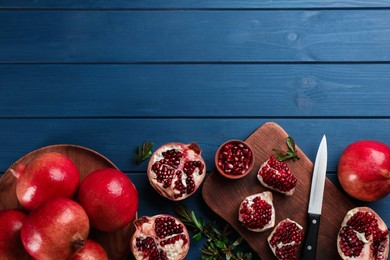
109 75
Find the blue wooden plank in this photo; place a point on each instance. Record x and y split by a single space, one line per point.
195 36
117 139
152 4
172 90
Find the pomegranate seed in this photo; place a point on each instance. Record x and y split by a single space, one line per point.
234 158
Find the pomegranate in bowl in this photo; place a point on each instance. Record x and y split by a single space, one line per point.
234 159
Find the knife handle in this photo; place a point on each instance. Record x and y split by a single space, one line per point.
309 249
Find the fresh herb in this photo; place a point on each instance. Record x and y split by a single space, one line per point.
291 153
144 152
218 244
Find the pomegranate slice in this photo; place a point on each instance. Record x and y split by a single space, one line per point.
277 176
285 239
257 212
176 170
160 237
363 235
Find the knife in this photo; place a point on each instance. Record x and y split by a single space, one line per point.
315 201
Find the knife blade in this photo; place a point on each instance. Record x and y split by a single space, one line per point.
315 201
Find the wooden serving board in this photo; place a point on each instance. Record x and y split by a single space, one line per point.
115 243
224 196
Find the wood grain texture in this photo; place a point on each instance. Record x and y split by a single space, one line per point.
153 4
118 138
134 90
87 161
195 36
224 196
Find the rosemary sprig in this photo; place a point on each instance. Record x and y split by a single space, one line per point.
218 244
291 153
144 152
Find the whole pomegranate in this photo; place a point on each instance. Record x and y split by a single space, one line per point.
91 251
56 229
47 176
277 176
364 170
11 222
109 198
159 237
363 235
176 170
285 239
257 212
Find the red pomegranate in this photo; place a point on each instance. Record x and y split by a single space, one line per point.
277 176
49 175
56 229
285 239
109 198
257 212
160 237
176 170
91 251
11 222
363 235
364 170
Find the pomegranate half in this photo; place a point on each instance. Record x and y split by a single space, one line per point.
109 198
56 229
363 235
364 170
47 176
176 170
159 237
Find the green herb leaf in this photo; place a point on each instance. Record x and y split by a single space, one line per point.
291 153
144 152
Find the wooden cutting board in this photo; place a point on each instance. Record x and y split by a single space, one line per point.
224 196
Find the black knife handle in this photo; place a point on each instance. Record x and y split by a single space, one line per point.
309 248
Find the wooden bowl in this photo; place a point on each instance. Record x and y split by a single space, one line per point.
116 244
232 175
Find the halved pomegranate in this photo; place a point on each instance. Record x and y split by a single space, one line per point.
257 212
160 237
363 235
176 170
285 239
277 176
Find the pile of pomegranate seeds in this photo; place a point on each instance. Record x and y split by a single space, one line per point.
235 158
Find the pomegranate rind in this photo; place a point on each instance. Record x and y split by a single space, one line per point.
366 252
363 170
48 176
55 229
267 168
191 152
280 244
145 228
246 205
